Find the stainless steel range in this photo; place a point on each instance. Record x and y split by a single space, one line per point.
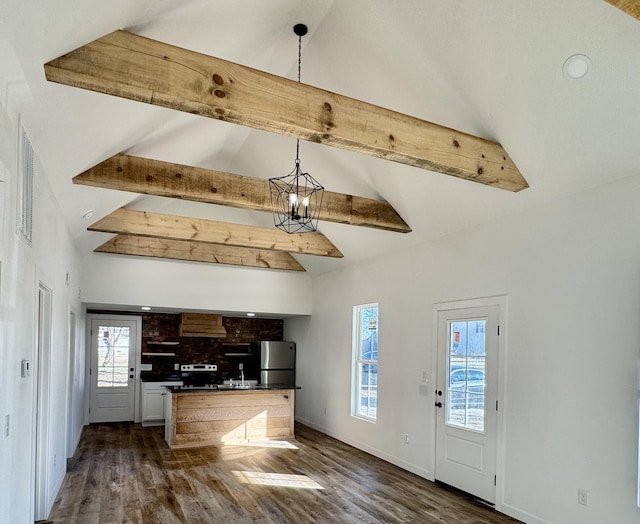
199 375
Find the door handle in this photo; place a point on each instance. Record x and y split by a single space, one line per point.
438 404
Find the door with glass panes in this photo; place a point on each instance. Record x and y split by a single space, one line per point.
466 394
113 357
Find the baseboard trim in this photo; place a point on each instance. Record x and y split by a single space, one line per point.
519 514
56 489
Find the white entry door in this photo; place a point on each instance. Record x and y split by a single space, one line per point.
466 400
113 356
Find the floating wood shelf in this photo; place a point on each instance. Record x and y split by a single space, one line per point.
155 354
152 343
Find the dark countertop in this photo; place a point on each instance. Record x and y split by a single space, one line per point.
159 377
221 388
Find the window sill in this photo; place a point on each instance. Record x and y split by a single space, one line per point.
365 419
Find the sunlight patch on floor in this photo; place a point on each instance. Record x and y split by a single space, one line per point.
276 479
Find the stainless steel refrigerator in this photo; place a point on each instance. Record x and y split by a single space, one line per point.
278 363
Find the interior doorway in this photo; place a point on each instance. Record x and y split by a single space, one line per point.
467 396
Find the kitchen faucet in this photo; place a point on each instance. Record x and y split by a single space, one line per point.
241 368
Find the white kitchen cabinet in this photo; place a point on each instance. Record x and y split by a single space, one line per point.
153 402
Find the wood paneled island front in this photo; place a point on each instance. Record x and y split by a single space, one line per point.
209 417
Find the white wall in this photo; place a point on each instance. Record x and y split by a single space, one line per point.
571 271
48 260
116 280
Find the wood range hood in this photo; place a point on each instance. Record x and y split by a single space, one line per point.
201 325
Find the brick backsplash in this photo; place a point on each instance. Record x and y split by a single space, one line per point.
163 327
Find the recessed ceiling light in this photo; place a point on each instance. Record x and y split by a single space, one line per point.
251 314
87 214
145 308
576 67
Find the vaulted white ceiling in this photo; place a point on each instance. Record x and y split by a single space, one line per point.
491 68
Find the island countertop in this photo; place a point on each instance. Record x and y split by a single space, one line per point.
227 387
211 416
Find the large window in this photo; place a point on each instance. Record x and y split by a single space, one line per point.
364 399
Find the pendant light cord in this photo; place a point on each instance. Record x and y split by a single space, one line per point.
299 56
299 69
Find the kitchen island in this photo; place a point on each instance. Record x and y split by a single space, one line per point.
213 416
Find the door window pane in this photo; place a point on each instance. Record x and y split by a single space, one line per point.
113 356
465 401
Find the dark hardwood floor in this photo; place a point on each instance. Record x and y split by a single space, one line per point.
125 473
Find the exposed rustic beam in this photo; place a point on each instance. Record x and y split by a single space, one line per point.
153 177
159 225
631 7
199 252
138 68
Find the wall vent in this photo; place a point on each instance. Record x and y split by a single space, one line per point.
25 188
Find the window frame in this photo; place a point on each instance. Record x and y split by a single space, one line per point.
358 362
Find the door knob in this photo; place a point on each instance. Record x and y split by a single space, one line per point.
438 404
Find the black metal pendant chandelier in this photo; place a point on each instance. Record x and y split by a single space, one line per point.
296 198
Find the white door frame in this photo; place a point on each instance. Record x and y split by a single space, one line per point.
501 302
41 374
71 379
138 357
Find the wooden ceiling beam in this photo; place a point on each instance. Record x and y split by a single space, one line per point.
631 7
172 227
138 68
199 252
154 177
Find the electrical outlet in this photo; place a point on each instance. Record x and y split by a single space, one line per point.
583 496
425 377
7 425
406 438
176 367
55 459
